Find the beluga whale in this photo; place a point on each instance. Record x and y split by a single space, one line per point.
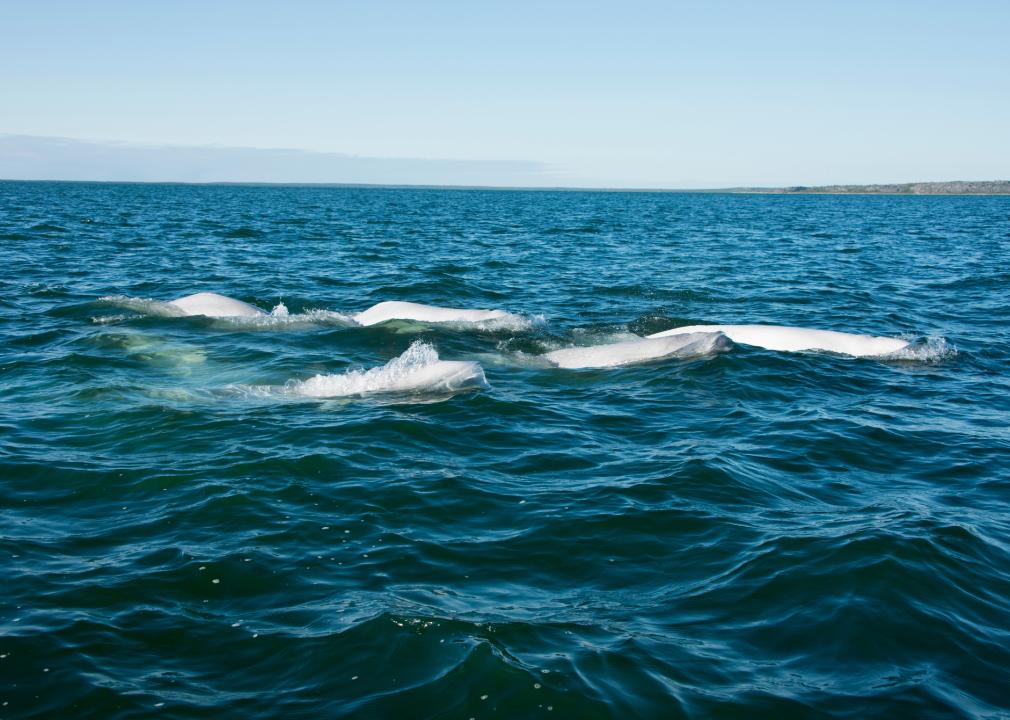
398 310
796 339
631 352
215 306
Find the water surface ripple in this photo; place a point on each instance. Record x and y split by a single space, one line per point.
746 534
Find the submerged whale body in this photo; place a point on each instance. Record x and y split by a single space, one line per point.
214 305
793 339
639 351
397 310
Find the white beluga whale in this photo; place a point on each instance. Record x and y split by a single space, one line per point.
639 351
215 306
794 339
397 310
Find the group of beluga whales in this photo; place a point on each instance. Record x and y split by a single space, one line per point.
692 340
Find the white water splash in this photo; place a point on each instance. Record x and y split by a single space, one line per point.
932 349
281 319
506 323
417 370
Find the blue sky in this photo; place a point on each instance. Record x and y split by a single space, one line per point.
618 94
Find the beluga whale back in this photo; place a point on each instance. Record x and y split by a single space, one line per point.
794 339
215 306
397 310
639 351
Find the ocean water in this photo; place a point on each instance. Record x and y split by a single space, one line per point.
284 516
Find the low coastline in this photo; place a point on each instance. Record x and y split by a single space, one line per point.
957 187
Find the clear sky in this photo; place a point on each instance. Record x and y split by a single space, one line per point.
616 94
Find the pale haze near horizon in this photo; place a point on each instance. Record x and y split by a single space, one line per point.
638 94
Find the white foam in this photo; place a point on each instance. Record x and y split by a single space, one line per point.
417 370
281 319
794 339
508 322
639 351
928 350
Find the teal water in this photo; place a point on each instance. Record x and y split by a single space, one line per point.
737 535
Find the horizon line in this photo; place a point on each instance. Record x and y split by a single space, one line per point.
735 190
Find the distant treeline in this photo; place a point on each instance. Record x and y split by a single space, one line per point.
956 187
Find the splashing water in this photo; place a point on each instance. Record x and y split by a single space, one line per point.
417 370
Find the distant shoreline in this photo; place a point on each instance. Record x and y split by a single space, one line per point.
856 193
953 187
962 188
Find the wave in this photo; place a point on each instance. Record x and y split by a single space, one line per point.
417 370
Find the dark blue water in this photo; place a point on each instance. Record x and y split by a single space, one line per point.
736 535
